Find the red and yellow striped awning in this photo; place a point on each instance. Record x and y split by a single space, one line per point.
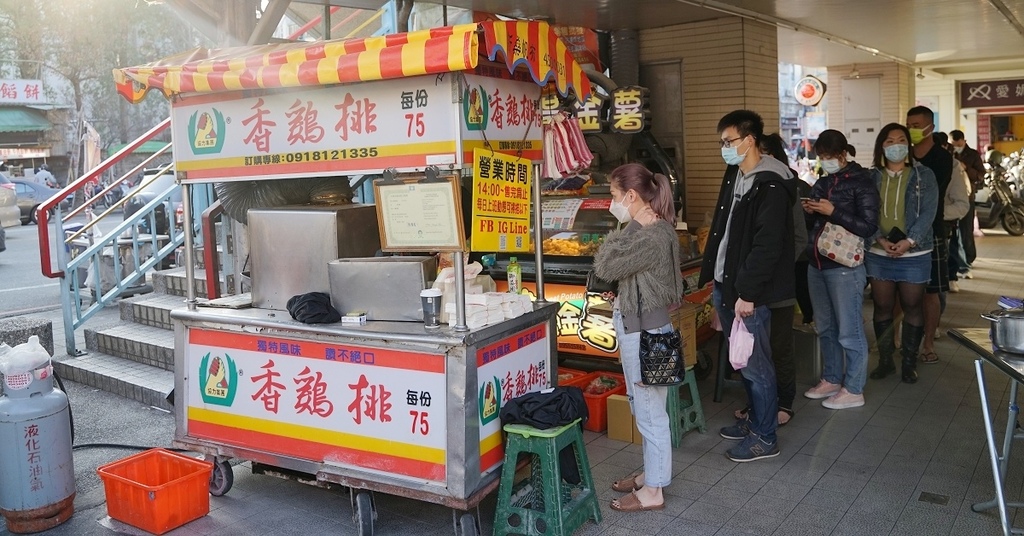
439 50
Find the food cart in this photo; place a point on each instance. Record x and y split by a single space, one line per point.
384 406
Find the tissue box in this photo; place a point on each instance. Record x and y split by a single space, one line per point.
386 288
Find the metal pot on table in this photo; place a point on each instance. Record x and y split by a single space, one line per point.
1007 329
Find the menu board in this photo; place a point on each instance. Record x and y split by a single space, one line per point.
418 214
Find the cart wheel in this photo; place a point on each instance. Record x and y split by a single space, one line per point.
468 526
364 514
704 365
222 479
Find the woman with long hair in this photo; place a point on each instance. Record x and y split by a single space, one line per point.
899 259
846 197
643 257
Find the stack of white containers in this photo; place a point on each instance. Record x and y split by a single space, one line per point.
489 308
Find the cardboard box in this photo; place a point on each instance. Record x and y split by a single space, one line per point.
637 438
685 320
620 419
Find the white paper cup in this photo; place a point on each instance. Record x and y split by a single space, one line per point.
431 301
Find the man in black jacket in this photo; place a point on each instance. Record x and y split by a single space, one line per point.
921 123
749 256
975 167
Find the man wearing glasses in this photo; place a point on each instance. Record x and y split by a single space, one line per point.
749 256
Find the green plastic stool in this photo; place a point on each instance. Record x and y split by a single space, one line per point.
543 504
685 415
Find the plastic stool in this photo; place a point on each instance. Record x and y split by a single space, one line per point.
543 504
685 415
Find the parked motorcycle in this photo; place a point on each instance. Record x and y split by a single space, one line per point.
998 203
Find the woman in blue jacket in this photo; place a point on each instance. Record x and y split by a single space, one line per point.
846 197
899 260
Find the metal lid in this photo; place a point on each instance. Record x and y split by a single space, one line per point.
1016 312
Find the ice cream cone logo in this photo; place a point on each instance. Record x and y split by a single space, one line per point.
218 378
206 132
475 108
489 400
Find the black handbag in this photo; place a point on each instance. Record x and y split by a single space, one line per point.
661 356
596 285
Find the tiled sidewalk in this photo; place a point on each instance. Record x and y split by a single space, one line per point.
911 461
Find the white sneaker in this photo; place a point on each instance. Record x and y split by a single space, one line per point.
824 389
843 400
938 333
967 275
954 286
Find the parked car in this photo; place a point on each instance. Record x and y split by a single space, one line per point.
31 195
141 195
9 213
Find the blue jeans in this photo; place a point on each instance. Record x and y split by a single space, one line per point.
838 298
759 374
649 407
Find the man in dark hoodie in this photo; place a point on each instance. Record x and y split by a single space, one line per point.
749 255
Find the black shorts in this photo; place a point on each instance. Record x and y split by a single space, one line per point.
940 266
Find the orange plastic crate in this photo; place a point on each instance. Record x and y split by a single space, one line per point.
597 405
157 490
575 374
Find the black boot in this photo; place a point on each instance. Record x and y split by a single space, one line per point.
912 336
886 348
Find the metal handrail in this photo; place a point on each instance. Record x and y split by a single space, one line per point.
120 202
45 262
124 244
116 183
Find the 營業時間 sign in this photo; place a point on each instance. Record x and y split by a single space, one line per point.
501 202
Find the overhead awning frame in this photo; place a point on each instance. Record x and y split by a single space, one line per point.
532 44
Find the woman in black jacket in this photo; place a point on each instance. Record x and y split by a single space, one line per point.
845 200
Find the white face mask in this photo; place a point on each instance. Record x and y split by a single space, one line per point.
620 211
831 165
958 149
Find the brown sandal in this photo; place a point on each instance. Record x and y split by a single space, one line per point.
626 484
631 503
929 358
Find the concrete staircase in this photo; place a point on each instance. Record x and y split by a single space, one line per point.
134 357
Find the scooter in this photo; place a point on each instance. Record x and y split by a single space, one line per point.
996 203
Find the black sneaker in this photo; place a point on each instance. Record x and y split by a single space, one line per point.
736 432
752 448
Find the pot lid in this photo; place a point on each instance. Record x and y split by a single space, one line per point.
1015 312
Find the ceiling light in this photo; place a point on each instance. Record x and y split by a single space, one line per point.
920 74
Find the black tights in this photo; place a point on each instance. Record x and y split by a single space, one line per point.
911 296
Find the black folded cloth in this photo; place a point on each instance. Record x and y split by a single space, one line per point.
313 308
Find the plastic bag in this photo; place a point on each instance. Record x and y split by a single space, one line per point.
741 344
24 357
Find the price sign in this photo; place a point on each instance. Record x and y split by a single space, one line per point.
406 124
375 408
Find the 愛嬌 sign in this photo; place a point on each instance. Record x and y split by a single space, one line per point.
992 93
